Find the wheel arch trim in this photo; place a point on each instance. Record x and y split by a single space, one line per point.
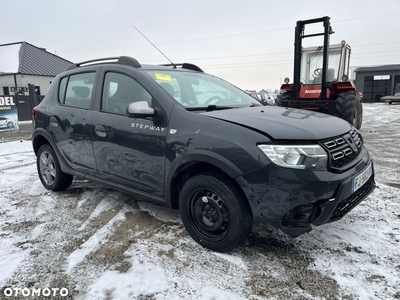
202 156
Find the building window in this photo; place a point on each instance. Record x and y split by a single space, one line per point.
381 77
6 91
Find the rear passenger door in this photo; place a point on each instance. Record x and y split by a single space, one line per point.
70 120
128 151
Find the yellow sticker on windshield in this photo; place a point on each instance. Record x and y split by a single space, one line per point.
163 77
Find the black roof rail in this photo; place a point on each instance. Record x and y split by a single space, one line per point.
185 66
122 60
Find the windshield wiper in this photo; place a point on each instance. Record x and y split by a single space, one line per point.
210 107
314 54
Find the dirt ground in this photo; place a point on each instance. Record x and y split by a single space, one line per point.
25 132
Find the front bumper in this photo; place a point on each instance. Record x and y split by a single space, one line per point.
292 199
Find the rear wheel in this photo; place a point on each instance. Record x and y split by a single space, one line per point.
214 212
349 108
49 170
283 98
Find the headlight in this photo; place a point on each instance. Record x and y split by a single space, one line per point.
297 157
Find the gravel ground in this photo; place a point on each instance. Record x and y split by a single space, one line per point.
103 244
25 132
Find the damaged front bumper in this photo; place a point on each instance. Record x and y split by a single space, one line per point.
292 200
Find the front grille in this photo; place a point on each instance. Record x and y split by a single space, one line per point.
348 204
344 149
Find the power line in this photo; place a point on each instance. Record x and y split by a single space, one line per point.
225 36
274 63
262 54
226 57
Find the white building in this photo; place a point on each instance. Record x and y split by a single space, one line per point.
22 64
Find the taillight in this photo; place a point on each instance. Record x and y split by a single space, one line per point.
34 114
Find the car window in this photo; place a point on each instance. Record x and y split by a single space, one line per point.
196 90
61 90
170 84
119 91
78 91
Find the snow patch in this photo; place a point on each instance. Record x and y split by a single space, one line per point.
11 258
16 148
141 279
232 259
9 62
160 212
213 293
37 188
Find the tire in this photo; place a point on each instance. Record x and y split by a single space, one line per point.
359 115
10 124
49 170
348 107
282 98
214 212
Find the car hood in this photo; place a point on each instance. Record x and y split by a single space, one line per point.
284 123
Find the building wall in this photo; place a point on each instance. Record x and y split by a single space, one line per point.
22 81
23 101
363 78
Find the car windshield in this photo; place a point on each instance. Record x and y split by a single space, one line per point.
199 90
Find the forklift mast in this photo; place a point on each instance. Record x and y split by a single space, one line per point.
299 36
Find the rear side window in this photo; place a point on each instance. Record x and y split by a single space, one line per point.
61 90
76 90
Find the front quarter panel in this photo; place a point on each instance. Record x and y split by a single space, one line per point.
194 137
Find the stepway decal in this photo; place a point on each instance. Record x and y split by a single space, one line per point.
8 114
147 127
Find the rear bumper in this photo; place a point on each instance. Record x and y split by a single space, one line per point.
390 99
292 200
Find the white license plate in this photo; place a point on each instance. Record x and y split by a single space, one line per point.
361 178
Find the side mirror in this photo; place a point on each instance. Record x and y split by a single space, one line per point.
140 109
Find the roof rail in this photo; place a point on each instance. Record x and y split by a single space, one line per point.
185 66
123 60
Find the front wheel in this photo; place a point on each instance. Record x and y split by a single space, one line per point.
283 98
214 212
349 108
49 170
359 115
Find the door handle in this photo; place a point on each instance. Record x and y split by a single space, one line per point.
100 130
53 122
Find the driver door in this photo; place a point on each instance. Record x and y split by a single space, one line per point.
128 151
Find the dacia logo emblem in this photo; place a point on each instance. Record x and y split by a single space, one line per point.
352 145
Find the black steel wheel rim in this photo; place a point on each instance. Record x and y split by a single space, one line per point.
209 214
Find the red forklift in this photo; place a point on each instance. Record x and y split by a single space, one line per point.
321 77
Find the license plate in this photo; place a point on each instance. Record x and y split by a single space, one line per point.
361 178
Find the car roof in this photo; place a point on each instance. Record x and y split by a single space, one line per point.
132 62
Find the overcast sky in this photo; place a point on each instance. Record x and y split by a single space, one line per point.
249 43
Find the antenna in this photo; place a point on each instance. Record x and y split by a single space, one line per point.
155 46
